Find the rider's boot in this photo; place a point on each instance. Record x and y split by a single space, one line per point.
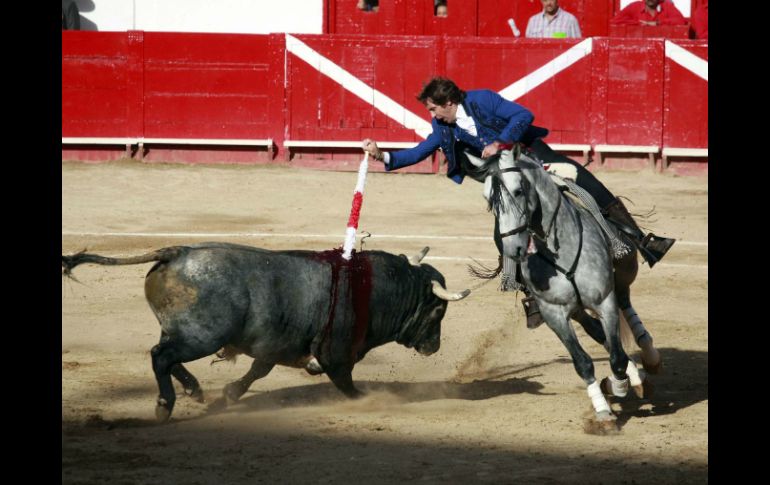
652 247
512 281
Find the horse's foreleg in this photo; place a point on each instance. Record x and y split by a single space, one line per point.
559 322
592 326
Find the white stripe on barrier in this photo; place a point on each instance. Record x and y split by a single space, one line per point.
370 95
688 60
549 70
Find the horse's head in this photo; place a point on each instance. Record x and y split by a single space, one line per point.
511 199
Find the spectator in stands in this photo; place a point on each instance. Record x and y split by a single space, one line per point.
479 122
70 15
553 21
699 21
369 5
440 9
649 12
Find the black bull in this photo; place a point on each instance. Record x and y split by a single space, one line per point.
294 308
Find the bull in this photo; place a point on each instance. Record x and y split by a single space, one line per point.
306 309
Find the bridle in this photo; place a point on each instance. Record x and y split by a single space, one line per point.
569 273
527 222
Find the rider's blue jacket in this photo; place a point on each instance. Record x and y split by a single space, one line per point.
496 118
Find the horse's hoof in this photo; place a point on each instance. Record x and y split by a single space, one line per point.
196 394
645 390
654 369
606 386
602 424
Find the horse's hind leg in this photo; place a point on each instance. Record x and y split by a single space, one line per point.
651 359
191 386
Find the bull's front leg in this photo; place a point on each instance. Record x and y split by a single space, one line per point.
342 377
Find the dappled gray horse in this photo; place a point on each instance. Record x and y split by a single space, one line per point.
567 263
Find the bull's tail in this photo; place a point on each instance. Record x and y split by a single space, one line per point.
164 255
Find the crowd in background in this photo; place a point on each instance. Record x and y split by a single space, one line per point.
552 22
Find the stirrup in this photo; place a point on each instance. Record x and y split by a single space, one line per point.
532 311
653 248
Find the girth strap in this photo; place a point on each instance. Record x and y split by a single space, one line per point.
570 274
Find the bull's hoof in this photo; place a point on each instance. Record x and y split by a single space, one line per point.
195 394
217 405
233 392
645 390
313 367
602 424
162 411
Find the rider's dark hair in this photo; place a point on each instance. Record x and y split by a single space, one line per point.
440 90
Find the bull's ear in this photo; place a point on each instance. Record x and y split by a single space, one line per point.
440 292
476 161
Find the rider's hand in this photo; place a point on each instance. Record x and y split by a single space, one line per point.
370 146
490 149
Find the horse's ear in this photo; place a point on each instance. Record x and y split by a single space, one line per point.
487 188
516 151
476 161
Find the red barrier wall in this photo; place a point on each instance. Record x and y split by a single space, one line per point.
196 86
627 92
319 108
230 86
95 86
685 115
496 63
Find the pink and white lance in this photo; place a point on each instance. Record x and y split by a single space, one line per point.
355 211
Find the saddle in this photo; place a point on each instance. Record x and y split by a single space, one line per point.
583 199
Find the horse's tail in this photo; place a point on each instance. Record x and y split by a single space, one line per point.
626 335
164 255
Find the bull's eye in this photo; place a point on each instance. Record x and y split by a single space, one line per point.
517 193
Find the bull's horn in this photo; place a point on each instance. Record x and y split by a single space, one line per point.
415 260
440 292
479 162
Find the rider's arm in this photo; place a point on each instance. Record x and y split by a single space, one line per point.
518 117
410 156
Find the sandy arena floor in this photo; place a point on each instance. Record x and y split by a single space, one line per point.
497 404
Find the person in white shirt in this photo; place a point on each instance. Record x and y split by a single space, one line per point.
553 22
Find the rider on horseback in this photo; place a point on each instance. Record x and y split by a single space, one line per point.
480 122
